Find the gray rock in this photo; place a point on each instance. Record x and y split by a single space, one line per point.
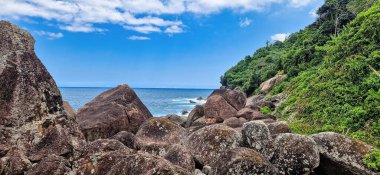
341 155
176 119
255 135
180 156
51 164
267 86
195 114
295 154
208 143
217 107
125 137
234 122
243 161
277 128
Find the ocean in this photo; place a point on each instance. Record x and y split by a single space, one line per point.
160 102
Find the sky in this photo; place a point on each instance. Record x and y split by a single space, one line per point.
152 43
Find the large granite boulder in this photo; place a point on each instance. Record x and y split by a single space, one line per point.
243 161
267 86
208 143
341 155
237 99
157 135
177 119
217 107
295 154
32 121
180 156
256 135
277 128
118 109
70 111
234 122
251 114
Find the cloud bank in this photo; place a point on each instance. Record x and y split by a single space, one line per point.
143 16
280 37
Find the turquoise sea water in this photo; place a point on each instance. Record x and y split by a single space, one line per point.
160 102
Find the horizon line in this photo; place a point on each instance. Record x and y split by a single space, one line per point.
134 87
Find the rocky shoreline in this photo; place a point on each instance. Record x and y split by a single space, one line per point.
116 134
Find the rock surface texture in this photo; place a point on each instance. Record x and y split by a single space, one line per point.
341 155
32 122
115 110
224 103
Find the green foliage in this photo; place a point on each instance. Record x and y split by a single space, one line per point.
372 160
331 65
265 110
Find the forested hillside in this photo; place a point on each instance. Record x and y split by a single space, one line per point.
332 81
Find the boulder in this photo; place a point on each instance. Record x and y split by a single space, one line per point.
184 112
145 164
199 98
217 107
250 114
295 154
237 99
51 164
255 135
101 146
68 109
31 109
125 137
176 119
180 156
208 143
195 114
234 122
243 161
118 109
341 155
267 86
277 128
157 135
191 101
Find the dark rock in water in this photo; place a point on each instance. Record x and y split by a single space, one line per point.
146 164
200 98
256 135
217 107
234 122
341 155
156 135
295 154
33 124
180 156
125 137
177 119
184 112
191 101
51 164
68 109
277 128
243 161
195 114
115 110
235 98
208 143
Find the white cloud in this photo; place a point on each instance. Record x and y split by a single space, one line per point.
49 35
245 22
280 36
134 37
143 16
313 13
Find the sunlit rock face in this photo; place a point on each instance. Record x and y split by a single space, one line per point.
32 121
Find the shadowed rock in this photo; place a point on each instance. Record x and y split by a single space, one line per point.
208 143
341 155
32 120
295 154
125 137
180 156
51 164
250 114
195 114
277 128
234 122
115 110
237 99
156 135
176 119
243 161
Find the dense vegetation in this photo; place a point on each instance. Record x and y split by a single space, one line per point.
332 83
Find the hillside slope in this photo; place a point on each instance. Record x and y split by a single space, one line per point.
331 65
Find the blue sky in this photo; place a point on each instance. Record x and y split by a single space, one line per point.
152 43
